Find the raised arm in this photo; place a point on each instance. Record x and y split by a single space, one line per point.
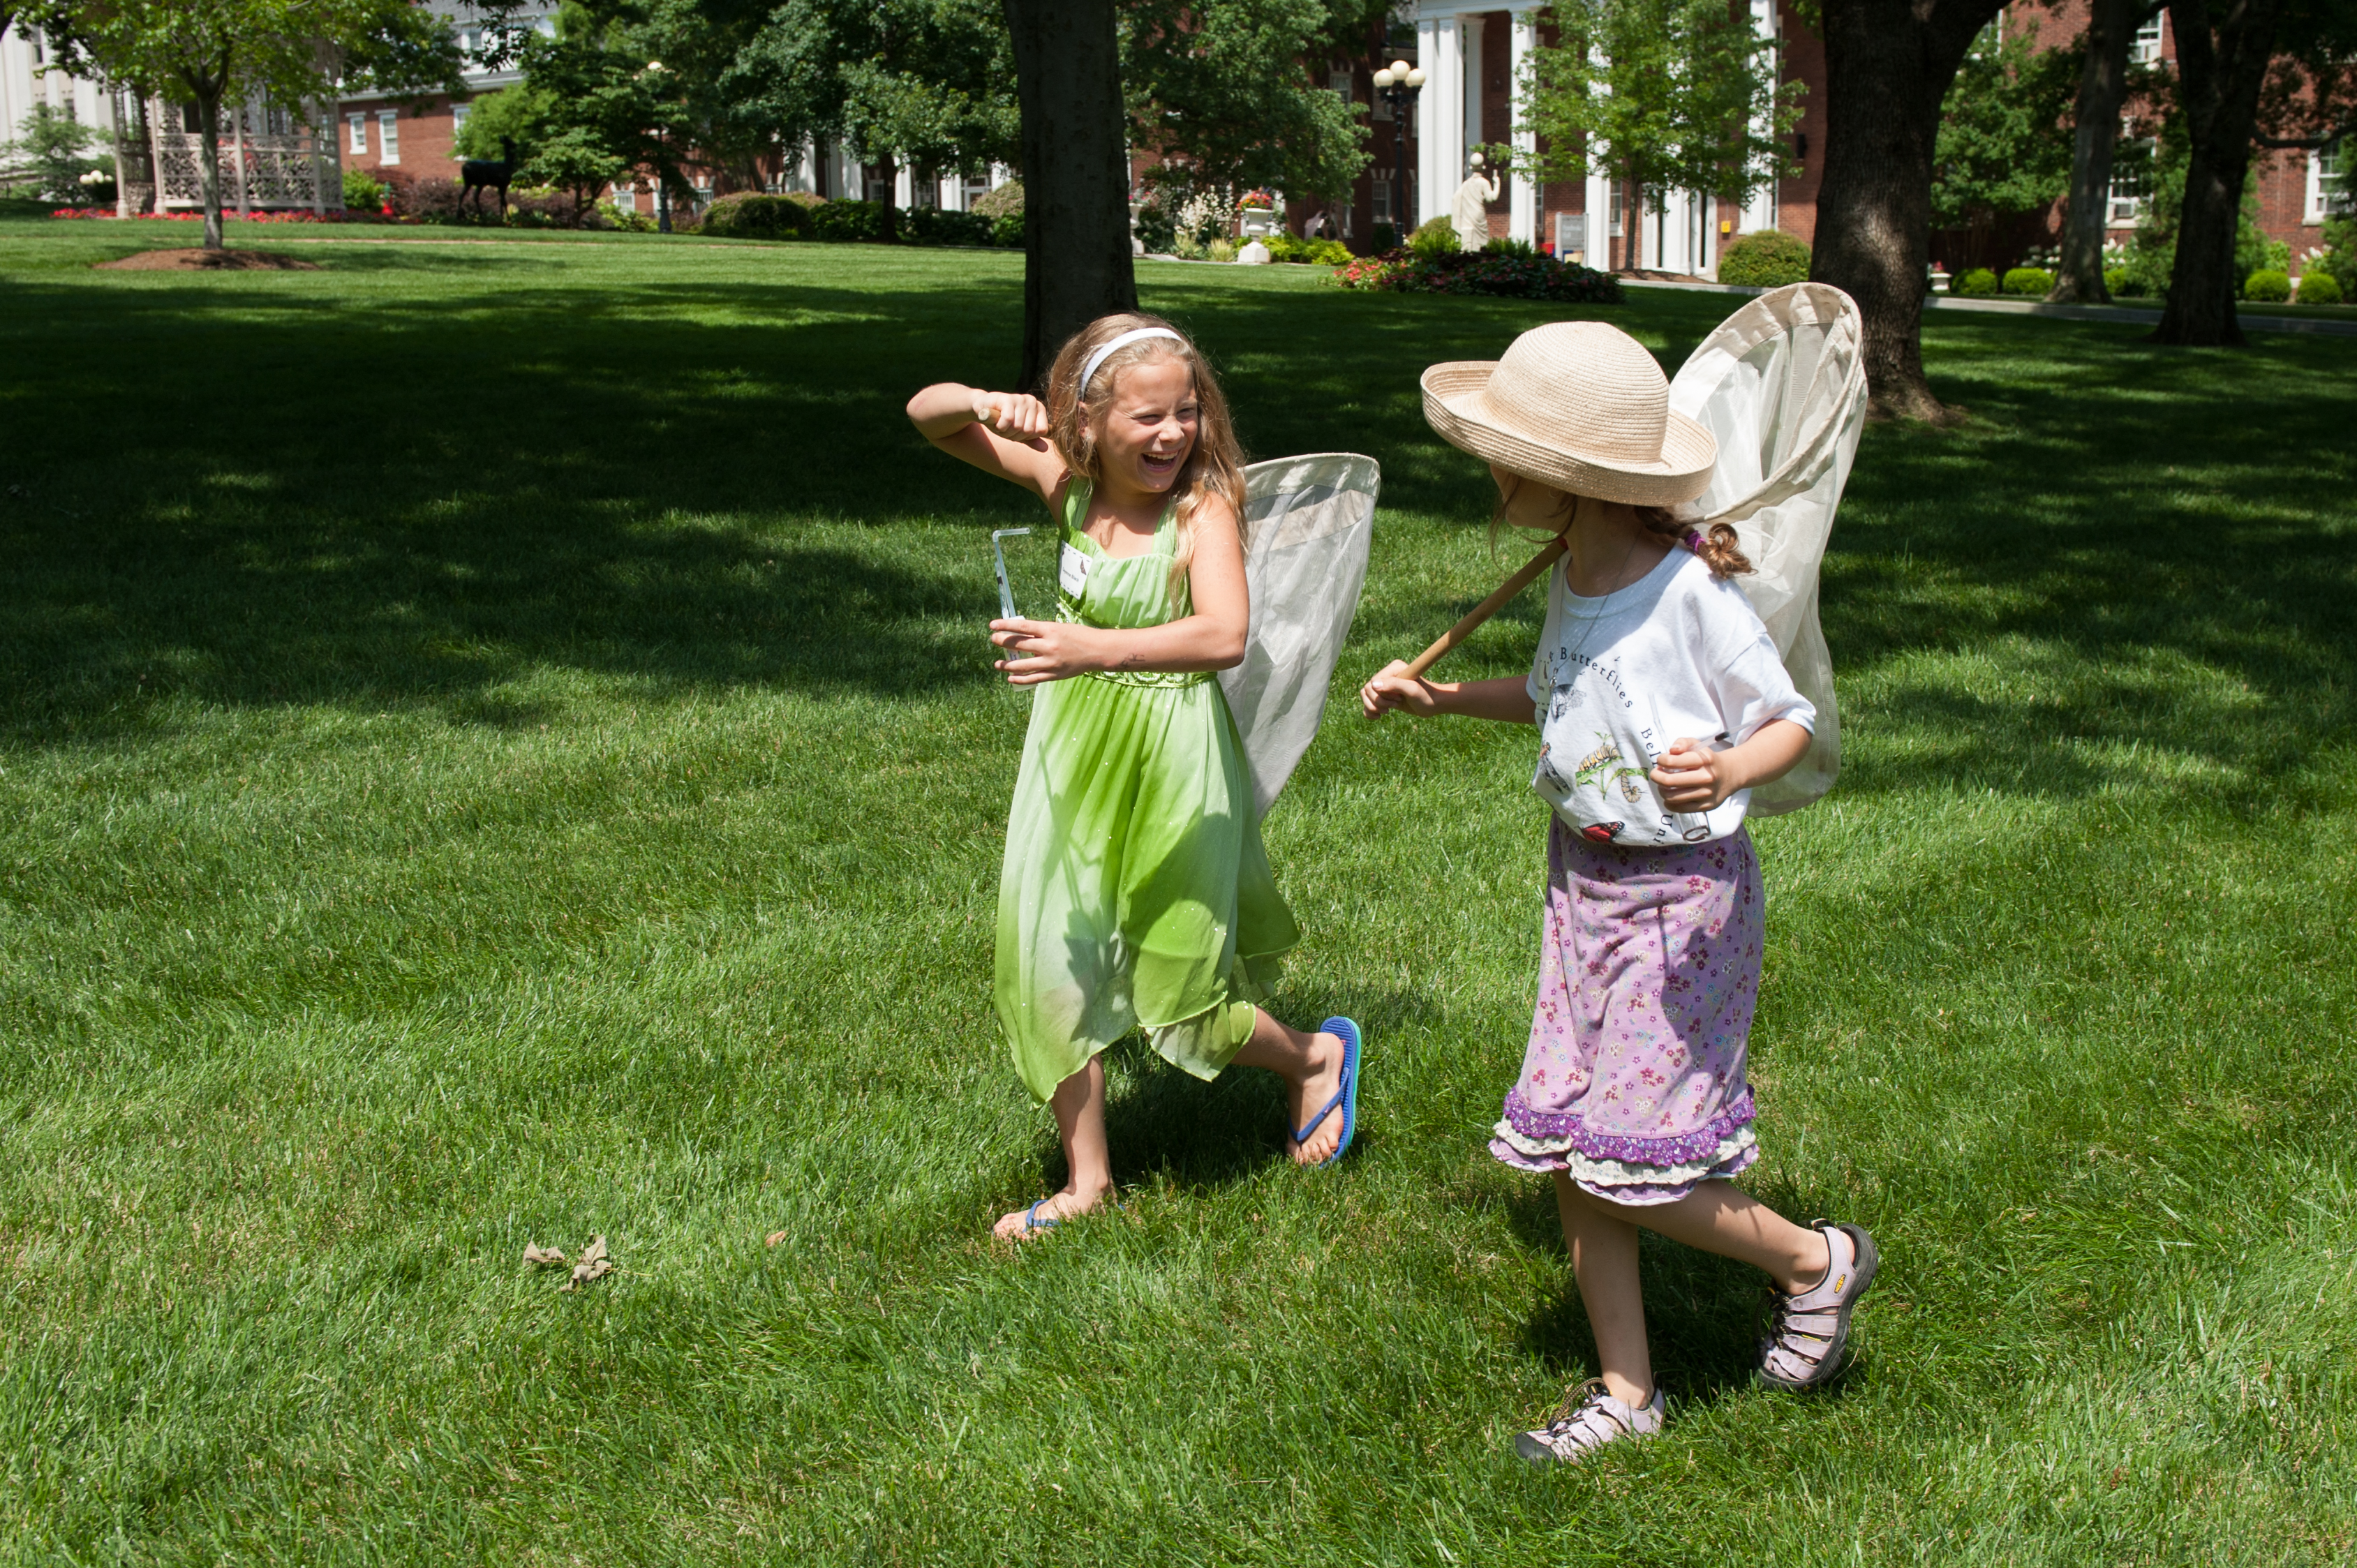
1004 434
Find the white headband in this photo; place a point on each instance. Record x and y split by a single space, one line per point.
1089 370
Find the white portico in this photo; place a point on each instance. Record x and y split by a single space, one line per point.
1475 55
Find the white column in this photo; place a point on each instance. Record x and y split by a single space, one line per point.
1760 211
1431 113
1524 223
1470 68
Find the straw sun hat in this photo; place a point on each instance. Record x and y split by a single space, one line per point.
1579 406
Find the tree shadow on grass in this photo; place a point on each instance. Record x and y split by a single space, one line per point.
415 494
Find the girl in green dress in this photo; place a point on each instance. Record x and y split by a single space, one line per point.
1136 892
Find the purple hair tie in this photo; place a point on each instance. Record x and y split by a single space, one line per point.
1694 539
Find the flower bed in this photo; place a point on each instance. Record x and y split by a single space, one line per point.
1515 276
230 217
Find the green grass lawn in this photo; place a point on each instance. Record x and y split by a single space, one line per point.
496 746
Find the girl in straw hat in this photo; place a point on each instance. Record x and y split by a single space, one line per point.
1660 702
1134 891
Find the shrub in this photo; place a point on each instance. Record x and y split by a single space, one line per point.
2268 285
1978 284
362 194
1506 245
755 215
1481 271
1382 237
935 226
2116 281
1006 201
1157 230
1765 258
2319 288
2033 281
1219 251
612 217
1320 252
807 198
1435 237
843 220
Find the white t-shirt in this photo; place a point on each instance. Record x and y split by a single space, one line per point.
1617 680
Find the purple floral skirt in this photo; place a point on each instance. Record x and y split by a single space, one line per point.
1634 1082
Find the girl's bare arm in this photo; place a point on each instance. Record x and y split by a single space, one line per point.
1694 777
1004 434
1211 638
1392 689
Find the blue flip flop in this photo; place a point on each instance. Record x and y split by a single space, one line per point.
1347 1096
1031 1221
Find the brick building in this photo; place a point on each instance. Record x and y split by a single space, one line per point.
1472 55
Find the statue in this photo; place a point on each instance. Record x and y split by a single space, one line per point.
481 174
1469 211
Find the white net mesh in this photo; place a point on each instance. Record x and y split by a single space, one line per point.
1311 521
1782 385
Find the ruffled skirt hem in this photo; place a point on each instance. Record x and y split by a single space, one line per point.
1629 1182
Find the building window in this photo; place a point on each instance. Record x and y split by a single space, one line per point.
626 199
359 125
458 112
1619 197
2145 47
1382 205
388 136
2131 182
2327 184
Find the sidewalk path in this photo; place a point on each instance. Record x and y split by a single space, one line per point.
2120 315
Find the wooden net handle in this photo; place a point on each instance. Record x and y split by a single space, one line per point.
1484 610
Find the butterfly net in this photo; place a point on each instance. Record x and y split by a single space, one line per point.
1782 385
1309 520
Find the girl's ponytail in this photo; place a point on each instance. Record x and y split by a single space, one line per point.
1719 549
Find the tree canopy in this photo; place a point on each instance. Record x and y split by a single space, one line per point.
1665 95
291 51
2004 147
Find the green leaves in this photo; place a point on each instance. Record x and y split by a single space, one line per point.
1666 94
1221 85
2004 141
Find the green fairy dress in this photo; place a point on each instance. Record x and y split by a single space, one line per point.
1136 891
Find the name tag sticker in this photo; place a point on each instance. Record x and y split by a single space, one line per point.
1072 572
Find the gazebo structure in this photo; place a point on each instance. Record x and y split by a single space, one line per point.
272 158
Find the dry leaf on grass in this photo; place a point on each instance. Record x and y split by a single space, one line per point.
593 1265
774 1238
543 1255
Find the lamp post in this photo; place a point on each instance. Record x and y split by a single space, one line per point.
1398 83
663 139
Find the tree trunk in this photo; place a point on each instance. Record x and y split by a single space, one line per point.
2102 86
208 162
1076 265
2220 72
1889 64
891 188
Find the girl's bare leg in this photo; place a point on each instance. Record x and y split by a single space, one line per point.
1311 1066
1079 1105
1604 1260
1717 1216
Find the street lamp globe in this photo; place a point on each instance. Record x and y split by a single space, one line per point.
1416 77
1399 70
1384 78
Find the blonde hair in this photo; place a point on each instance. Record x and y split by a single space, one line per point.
1214 466
1719 548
